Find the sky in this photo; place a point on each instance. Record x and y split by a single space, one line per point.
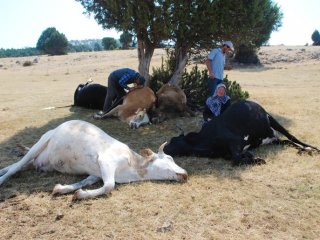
23 21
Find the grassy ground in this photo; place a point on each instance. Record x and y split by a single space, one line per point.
279 200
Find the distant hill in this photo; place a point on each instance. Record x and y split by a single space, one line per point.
87 45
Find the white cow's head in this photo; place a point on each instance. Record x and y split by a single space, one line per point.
160 166
139 118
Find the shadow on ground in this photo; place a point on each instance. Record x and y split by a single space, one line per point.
151 136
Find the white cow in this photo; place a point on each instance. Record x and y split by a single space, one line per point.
78 147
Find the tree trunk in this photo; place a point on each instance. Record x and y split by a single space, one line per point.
145 52
181 56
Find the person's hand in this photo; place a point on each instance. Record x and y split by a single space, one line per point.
211 76
135 87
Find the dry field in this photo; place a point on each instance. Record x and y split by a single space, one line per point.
279 200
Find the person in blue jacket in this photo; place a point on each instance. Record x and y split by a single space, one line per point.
118 82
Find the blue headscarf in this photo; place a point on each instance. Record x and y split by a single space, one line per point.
215 102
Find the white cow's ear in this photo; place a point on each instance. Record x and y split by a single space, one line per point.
160 151
147 152
148 156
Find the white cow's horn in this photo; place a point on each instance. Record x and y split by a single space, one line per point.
160 151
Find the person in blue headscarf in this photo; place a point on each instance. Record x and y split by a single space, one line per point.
217 103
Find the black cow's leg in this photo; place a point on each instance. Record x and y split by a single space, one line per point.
248 158
243 158
236 150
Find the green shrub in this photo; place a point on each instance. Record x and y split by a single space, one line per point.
160 76
247 54
234 90
195 86
193 83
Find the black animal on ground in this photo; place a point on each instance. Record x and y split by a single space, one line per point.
90 95
244 125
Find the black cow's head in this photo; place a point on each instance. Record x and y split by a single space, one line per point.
177 147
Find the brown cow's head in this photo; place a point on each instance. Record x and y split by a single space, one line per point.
139 118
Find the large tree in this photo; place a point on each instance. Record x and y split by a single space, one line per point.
248 23
189 24
144 19
204 24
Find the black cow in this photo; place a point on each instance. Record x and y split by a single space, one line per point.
243 125
90 95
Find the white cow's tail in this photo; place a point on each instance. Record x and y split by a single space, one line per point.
31 154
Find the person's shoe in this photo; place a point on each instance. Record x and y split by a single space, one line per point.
98 115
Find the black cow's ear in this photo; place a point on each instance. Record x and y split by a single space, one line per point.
146 152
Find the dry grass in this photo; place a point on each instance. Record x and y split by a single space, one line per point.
279 200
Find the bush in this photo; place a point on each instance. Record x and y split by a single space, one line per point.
193 83
160 76
195 86
52 42
27 63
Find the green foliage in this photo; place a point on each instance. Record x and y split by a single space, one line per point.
160 76
234 90
195 86
316 38
52 42
248 24
109 43
189 25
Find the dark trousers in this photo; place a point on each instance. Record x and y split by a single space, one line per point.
115 93
213 84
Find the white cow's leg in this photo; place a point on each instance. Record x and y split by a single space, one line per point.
107 175
6 169
32 154
63 189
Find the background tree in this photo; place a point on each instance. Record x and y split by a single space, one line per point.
52 42
97 47
126 40
315 38
109 43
